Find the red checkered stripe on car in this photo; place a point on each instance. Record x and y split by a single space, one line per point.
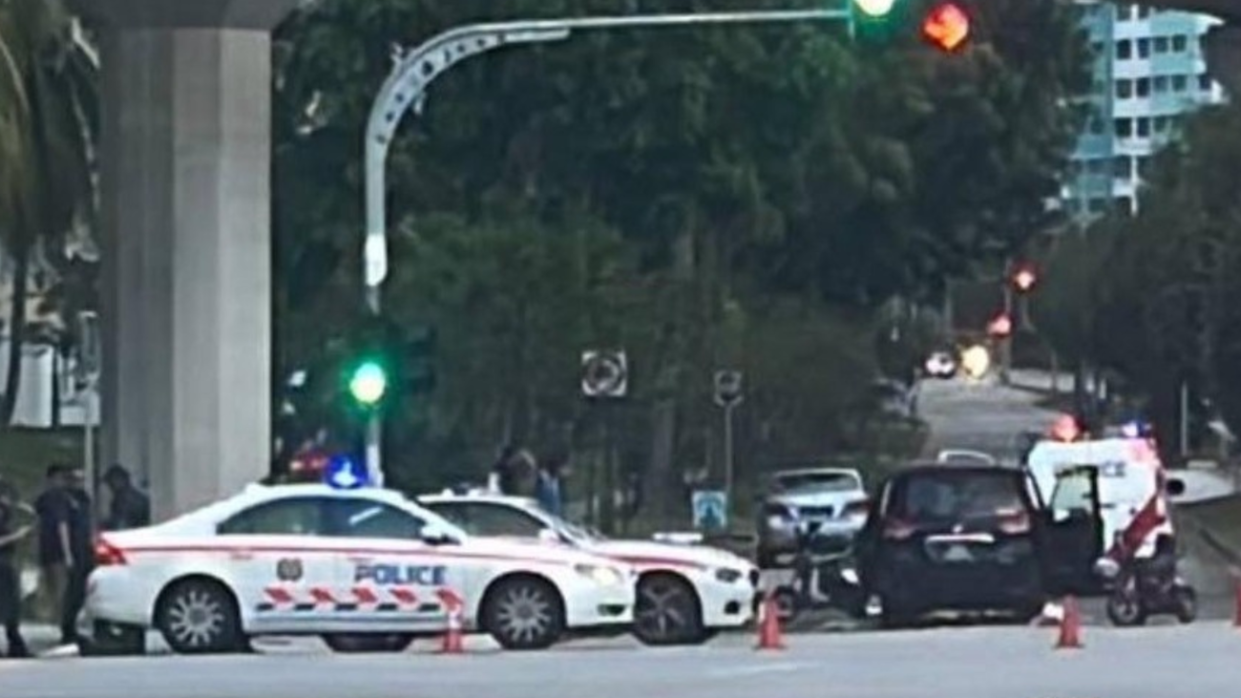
284 598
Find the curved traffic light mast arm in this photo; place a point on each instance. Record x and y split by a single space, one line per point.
406 86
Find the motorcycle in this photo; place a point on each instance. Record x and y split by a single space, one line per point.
1143 587
820 581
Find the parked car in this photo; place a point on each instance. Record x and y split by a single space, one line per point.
832 499
953 538
961 455
685 593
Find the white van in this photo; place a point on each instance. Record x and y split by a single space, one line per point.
1106 498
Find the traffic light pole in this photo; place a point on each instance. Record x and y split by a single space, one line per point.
405 89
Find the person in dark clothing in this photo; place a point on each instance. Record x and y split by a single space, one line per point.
54 511
504 474
130 507
548 486
81 540
10 577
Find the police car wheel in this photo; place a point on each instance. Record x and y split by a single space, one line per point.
357 643
524 613
199 616
667 612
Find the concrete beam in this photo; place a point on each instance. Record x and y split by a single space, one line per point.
186 14
186 223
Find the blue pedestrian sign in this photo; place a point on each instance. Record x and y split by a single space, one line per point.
343 473
710 510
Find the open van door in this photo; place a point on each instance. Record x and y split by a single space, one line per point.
1073 532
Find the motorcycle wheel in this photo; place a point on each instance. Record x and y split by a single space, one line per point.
787 605
1186 605
1125 611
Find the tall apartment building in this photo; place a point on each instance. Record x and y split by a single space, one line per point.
1149 71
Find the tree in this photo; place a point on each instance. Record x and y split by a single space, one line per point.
733 169
1151 296
47 131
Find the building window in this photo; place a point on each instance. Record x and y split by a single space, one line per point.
1161 44
1161 124
1143 88
1161 84
1122 168
1205 83
1095 126
1142 11
1097 206
1124 203
1180 83
1144 48
1180 43
1124 89
1144 127
1124 128
1124 50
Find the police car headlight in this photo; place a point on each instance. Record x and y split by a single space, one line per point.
728 576
601 575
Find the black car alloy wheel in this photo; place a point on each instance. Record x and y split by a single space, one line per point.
667 612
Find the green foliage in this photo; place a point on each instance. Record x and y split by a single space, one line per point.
743 195
48 127
1152 297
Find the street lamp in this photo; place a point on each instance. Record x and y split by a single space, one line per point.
415 70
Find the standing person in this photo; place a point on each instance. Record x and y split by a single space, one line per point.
81 539
547 485
502 479
53 510
129 506
10 577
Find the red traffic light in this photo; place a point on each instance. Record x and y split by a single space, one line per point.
1001 326
946 26
1024 279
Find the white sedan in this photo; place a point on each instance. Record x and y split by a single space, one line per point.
686 593
364 568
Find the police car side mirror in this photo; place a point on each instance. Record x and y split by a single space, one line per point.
434 536
547 535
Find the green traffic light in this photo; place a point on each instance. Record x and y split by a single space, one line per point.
368 383
875 8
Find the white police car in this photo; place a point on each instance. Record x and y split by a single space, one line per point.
686 593
365 568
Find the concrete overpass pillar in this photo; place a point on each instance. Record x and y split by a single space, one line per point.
186 161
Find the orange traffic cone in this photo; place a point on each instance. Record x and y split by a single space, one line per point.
1070 626
453 634
769 625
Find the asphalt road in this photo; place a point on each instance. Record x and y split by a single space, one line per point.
981 416
1197 661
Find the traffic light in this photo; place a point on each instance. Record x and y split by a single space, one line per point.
1024 278
419 374
388 363
946 26
875 8
1001 326
368 382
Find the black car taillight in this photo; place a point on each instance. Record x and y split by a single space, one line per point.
1014 523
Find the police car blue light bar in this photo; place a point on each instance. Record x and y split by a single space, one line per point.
344 474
